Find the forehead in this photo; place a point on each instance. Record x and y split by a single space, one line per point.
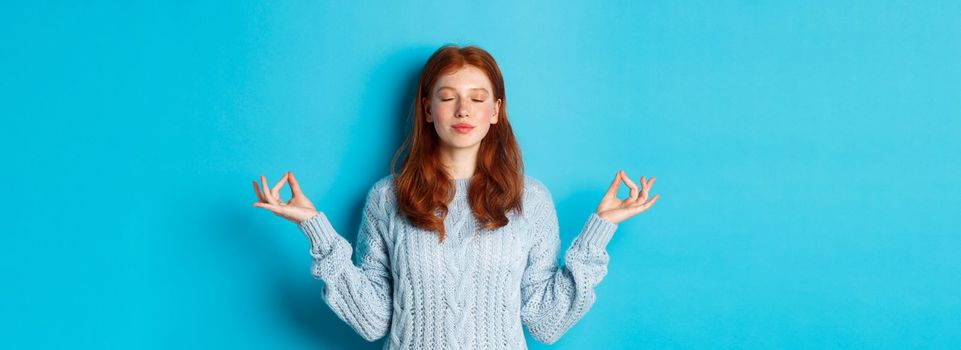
469 78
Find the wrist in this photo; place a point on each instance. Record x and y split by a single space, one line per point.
606 217
308 216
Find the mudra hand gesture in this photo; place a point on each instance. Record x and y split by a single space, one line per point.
616 210
296 210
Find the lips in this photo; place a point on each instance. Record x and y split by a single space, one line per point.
463 127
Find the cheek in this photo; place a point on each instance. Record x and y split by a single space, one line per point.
442 111
488 112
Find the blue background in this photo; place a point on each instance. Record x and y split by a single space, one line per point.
806 153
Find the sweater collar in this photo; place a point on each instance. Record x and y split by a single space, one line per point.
461 185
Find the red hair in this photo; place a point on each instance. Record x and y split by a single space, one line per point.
424 188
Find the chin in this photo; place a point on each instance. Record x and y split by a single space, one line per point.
462 144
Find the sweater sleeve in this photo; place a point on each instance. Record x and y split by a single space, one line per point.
359 292
553 298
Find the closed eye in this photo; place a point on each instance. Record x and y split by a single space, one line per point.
452 99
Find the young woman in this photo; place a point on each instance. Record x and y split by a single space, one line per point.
458 249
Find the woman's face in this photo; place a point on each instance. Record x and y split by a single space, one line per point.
462 107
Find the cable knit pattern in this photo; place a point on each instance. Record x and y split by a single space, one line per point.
475 290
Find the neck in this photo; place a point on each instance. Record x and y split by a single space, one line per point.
459 162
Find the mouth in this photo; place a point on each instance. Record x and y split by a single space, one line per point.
463 128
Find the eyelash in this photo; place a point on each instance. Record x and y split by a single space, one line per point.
452 99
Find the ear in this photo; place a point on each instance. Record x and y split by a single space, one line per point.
426 109
497 111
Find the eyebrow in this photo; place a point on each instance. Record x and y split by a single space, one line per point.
448 87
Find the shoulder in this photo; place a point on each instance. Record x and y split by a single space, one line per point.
383 185
380 196
538 206
533 185
535 190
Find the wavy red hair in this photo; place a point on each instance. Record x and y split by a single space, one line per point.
424 188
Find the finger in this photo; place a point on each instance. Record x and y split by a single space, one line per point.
644 190
648 189
294 185
272 207
649 203
260 197
276 190
630 184
612 189
268 196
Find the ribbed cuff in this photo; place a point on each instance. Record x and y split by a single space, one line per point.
320 233
597 232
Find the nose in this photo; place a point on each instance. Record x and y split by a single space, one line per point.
463 110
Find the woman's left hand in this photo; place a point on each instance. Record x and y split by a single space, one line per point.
615 210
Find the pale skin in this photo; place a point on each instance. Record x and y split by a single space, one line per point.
464 96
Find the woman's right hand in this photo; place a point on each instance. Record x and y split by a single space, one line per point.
296 210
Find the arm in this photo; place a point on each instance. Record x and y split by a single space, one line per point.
553 298
360 295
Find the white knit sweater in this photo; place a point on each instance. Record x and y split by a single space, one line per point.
475 290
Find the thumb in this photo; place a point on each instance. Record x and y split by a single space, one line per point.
294 185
